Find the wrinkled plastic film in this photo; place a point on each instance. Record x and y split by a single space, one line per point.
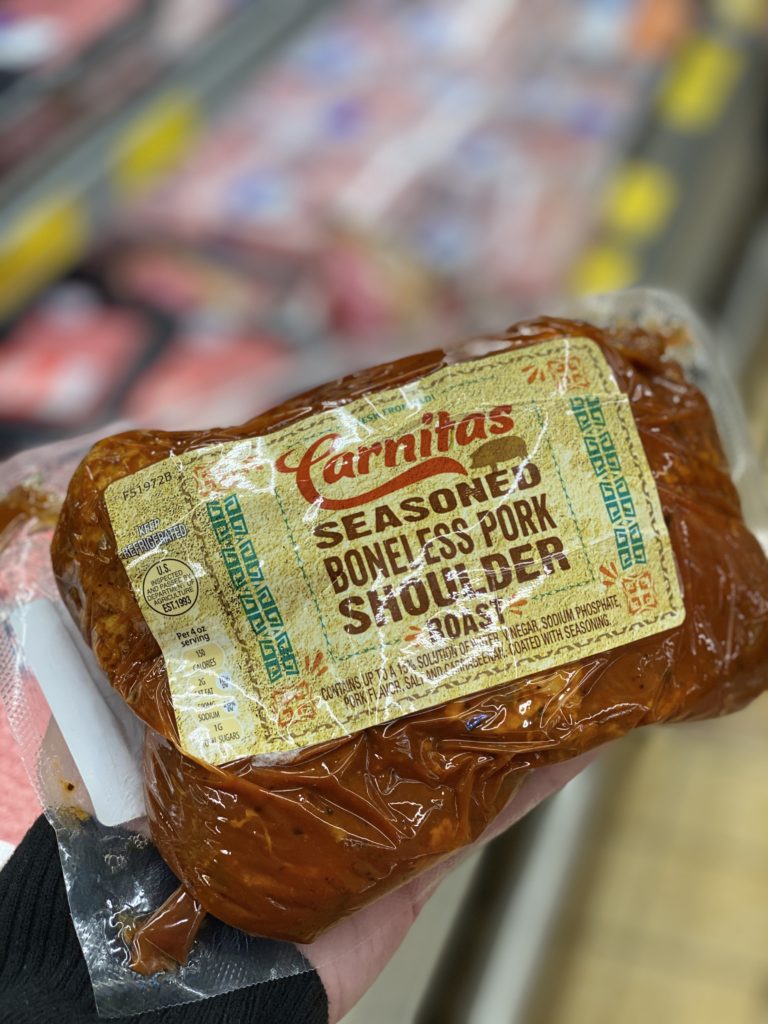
350 819
394 551
115 878
31 482
113 874
703 361
289 844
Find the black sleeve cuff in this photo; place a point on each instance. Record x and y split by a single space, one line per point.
44 980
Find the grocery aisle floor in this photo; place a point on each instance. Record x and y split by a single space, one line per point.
670 917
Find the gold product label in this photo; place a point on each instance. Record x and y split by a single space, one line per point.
493 519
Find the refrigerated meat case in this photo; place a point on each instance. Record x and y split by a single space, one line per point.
512 160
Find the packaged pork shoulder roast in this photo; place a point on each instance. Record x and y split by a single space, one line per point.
355 625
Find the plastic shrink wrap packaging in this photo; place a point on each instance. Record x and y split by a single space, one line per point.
356 624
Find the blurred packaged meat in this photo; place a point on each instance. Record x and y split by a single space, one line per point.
323 211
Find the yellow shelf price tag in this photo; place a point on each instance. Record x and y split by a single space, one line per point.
699 86
748 14
155 141
640 199
39 244
604 267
